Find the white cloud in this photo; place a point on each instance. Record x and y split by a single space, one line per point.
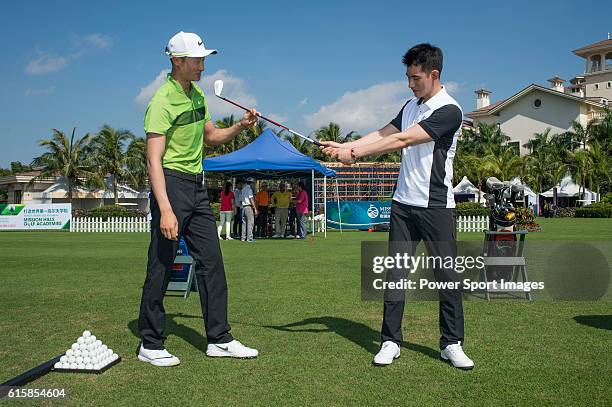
277 118
40 92
46 63
234 88
452 88
304 101
97 40
363 110
147 92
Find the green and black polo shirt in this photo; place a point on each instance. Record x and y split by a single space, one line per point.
181 119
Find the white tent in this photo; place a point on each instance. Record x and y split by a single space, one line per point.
532 197
465 187
567 188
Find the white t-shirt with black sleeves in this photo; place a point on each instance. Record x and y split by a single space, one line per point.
426 172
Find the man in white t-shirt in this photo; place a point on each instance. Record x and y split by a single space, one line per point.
249 211
237 226
423 208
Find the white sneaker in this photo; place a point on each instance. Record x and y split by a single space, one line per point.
157 357
290 236
228 238
387 353
233 349
455 355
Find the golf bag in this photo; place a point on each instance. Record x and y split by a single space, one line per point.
501 199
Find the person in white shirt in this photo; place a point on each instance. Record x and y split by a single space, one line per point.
237 226
249 211
423 207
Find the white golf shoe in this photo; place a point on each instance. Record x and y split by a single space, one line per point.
161 357
387 353
455 355
233 349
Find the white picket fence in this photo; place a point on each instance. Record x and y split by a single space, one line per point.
472 223
123 225
120 225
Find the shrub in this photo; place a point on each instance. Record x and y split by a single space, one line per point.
472 209
526 220
111 211
565 212
216 206
607 198
595 210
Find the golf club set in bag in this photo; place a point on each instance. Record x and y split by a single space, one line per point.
501 199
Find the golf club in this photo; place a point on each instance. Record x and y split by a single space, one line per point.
218 85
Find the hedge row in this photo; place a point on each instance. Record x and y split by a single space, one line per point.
472 209
595 210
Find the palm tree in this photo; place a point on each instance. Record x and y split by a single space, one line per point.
539 141
108 149
581 169
601 163
65 157
581 135
136 163
476 169
504 164
332 132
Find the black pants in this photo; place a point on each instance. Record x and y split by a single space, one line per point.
237 226
189 201
261 229
436 227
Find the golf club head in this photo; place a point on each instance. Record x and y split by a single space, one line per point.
218 85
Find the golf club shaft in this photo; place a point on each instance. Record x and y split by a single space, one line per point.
272 121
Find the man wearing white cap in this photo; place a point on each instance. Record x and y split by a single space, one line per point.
177 123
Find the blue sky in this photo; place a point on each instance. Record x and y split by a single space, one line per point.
86 64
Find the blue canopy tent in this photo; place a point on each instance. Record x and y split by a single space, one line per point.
269 156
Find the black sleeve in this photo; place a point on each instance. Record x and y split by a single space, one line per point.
443 123
397 122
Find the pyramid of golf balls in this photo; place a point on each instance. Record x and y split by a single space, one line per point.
87 353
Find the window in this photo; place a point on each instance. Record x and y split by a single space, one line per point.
516 147
17 197
537 103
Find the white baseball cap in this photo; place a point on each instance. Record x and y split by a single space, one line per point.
250 179
187 45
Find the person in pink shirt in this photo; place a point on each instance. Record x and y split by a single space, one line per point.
301 209
226 211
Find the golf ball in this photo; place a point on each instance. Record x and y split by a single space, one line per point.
96 366
75 346
86 334
78 353
71 359
115 356
73 366
109 351
81 340
58 365
64 359
86 360
89 366
79 360
82 346
69 352
66 365
80 366
104 347
98 343
91 346
92 338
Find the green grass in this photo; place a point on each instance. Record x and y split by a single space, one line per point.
299 303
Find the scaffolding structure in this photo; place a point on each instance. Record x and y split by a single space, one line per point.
358 182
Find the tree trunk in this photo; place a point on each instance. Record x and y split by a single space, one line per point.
115 190
69 191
